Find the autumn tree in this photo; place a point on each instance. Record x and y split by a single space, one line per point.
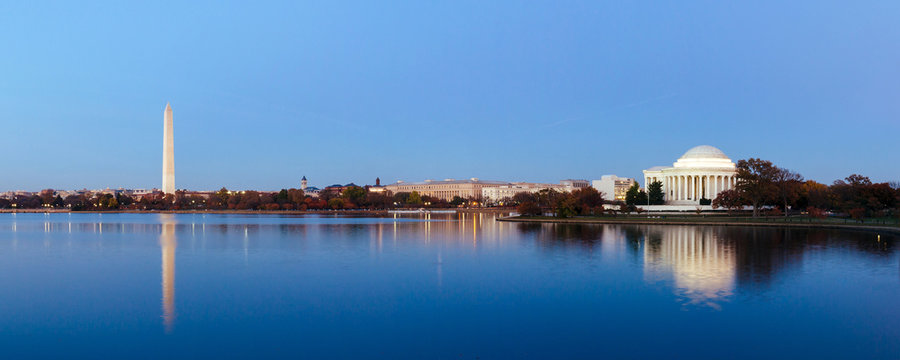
587 200
787 187
525 196
729 200
529 208
354 194
756 182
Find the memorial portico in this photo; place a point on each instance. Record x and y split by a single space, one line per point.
701 173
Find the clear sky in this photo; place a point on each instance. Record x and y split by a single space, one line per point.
266 92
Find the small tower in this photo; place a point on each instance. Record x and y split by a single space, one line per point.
303 183
377 181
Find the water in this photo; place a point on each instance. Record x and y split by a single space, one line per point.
442 286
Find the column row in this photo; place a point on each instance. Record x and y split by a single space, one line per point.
695 187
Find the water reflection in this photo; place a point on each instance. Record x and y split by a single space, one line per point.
702 267
707 265
168 243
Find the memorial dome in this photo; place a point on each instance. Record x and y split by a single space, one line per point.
704 156
704 152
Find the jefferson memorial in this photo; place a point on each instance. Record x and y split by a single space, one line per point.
701 173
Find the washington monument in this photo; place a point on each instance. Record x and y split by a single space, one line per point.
168 175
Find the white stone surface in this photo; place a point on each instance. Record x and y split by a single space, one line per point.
168 176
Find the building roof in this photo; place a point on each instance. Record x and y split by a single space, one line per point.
699 157
451 181
704 152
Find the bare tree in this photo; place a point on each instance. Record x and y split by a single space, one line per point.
787 186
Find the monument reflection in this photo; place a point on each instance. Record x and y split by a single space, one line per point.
703 268
168 243
708 265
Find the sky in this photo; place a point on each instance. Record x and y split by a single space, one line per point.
266 92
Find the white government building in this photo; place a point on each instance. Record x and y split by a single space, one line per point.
702 172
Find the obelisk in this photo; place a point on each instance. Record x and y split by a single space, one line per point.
168 181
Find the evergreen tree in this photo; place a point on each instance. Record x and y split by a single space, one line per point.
631 196
655 192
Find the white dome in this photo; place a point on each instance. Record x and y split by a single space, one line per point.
704 156
704 152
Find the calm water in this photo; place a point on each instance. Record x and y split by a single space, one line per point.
447 286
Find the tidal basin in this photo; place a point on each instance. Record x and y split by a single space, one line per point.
446 286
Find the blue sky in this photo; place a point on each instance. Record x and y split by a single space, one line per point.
345 91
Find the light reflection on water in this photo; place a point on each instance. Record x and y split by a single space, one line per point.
458 279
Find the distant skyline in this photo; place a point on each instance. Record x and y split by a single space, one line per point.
266 93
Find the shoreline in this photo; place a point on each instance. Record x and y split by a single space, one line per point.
248 212
624 221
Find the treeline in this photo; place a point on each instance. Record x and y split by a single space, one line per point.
582 201
352 197
763 185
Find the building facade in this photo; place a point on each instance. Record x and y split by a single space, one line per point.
498 193
613 187
446 189
701 173
575 183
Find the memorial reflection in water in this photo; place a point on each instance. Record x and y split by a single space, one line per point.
702 267
168 243
707 265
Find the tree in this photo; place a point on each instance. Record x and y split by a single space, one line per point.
787 186
525 196
336 203
282 197
529 208
548 198
631 196
401 198
565 206
641 198
587 200
379 200
756 182
729 200
655 193
814 194
414 198
296 197
457 201
354 194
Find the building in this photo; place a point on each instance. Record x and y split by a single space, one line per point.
377 188
168 167
446 189
498 193
577 184
701 173
308 190
613 187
